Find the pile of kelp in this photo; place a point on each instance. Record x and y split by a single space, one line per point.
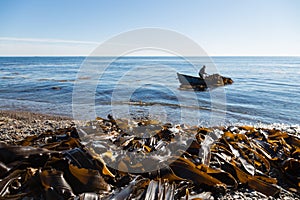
143 159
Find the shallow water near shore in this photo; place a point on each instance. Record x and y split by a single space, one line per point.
265 90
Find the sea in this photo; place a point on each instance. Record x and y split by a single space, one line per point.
265 90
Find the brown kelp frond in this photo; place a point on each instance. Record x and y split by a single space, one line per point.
144 159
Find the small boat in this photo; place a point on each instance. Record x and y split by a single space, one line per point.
198 83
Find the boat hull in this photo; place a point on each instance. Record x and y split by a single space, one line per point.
214 80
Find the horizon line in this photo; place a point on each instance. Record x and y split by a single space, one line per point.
150 56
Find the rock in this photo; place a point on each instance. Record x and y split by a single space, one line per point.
56 88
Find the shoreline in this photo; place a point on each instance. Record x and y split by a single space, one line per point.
53 121
28 115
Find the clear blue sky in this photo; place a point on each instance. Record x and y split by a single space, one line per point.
221 27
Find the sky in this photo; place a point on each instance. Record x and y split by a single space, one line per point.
220 27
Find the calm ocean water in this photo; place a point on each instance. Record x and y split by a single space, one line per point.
265 89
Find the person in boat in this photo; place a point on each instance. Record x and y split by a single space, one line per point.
202 72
